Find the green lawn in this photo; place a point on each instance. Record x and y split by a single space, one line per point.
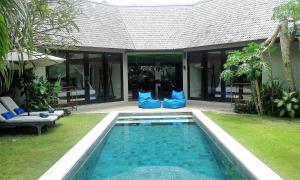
29 156
275 141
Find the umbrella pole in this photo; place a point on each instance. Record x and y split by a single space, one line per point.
26 99
26 96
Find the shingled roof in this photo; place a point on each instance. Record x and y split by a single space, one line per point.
207 23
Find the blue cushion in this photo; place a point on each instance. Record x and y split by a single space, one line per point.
8 115
173 103
149 104
51 110
145 96
178 95
146 101
44 115
19 110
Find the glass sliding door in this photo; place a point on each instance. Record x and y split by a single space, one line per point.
214 65
76 77
89 77
114 77
96 78
195 74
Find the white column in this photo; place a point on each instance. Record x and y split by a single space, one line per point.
125 77
185 74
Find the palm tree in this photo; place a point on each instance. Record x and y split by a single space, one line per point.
15 34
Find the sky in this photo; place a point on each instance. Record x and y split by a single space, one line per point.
148 2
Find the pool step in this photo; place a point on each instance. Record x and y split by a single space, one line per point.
174 117
153 121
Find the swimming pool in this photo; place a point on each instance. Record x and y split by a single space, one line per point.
158 146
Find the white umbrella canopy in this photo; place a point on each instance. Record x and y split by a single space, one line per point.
35 59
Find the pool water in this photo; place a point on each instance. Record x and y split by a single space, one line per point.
156 151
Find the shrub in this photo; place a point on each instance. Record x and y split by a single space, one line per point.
271 90
248 108
288 104
43 94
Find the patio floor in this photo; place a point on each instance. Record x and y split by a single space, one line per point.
132 106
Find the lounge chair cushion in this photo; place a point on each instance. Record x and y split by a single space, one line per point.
58 113
8 115
25 119
9 104
51 110
19 110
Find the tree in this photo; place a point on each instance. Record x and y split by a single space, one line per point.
250 61
53 22
247 63
288 16
15 34
29 25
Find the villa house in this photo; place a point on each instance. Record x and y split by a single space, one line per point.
125 49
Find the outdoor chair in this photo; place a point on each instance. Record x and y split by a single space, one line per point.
10 104
8 119
177 100
146 101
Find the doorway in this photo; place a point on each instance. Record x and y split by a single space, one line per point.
159 73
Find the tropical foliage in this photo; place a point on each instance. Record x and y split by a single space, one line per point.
250 63
270 91
288 104
289 10
247 63
29 25
15 34
43 94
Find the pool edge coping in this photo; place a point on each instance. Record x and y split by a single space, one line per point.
253 165
64 165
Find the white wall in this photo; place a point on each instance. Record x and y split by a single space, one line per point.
277 65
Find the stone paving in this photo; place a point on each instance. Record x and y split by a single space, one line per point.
133 107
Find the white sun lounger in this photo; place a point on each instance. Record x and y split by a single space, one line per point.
10 104
33 121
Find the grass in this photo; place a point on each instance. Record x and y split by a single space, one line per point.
29 156
275 141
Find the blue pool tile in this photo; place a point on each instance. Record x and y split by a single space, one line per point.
173 151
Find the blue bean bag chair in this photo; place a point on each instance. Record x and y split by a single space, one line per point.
177 101
146 101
